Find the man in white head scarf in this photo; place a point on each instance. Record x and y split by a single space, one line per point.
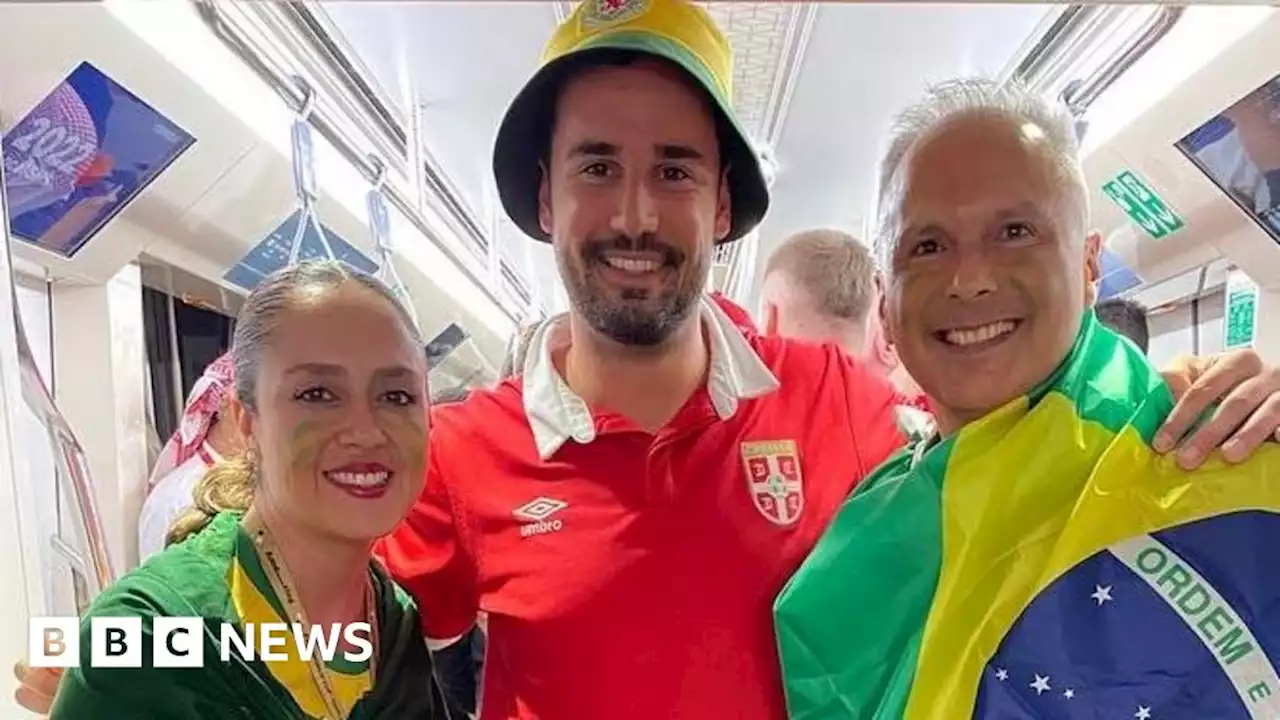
199 443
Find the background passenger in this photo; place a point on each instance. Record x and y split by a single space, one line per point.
201 441
822 286
1127 317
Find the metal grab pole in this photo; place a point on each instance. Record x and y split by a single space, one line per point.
1080 96
71 465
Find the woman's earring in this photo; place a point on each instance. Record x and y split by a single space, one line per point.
251 459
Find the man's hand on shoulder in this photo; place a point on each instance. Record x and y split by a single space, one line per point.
36 687
1247 393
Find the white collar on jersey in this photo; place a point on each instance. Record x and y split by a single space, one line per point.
556 414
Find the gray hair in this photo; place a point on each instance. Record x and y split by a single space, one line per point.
966 97
277 293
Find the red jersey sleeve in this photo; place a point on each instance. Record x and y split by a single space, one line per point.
736 313
872 413
426 555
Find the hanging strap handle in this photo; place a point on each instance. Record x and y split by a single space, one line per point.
380 229
379 219
304 177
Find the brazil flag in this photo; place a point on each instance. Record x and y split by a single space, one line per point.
1044 562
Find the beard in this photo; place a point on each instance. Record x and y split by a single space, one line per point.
641 317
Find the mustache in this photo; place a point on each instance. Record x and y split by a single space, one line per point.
648 242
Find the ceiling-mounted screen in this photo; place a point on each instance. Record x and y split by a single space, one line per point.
273 252
80 156
1239 150
446 342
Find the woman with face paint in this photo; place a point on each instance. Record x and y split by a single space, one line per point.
330 398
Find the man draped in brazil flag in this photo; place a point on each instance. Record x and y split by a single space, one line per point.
1038 559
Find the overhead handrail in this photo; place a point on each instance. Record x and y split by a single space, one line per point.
1072 33
1061 38
293 98
348 73
314 29
1079 97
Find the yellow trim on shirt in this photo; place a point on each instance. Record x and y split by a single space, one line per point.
252 605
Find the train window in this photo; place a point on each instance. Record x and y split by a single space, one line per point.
203 335
181 342
165 405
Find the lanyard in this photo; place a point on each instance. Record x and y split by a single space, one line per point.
283 586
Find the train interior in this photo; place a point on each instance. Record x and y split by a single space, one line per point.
161 158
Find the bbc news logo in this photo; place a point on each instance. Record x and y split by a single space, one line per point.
179 642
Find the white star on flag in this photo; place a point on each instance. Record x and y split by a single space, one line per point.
1144 713
1102 594
1069 693
1002 674
1041 685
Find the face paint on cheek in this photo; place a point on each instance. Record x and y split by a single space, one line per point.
408 436
305 443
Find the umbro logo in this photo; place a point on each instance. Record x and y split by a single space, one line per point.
537 515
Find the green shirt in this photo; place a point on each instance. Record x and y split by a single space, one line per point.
216 575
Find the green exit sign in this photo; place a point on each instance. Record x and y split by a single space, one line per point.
1241 323
1142 205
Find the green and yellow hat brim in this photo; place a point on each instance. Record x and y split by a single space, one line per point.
671 30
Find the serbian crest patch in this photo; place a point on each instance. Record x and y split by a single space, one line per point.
600 14
774 479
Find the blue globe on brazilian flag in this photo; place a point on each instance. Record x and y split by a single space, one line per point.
1180 623
674 31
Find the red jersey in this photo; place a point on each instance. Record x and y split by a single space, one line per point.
735 313
919 401
626 574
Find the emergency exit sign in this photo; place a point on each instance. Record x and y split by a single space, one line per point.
1142 205
1241 323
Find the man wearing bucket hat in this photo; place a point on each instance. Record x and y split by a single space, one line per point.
626 509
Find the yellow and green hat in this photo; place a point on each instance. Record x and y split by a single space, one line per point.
674 30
